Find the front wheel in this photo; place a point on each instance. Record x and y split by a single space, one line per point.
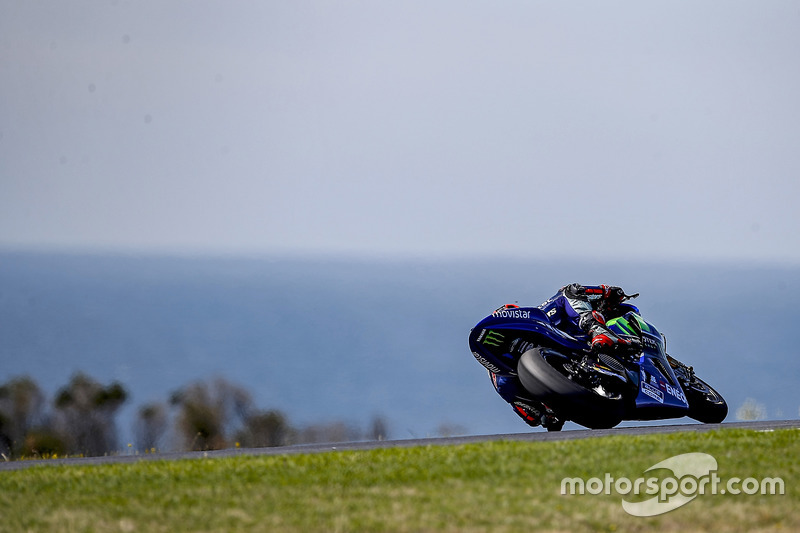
706 405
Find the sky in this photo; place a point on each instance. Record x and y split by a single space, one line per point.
663 130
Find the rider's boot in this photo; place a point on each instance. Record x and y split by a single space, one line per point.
551 423
530 414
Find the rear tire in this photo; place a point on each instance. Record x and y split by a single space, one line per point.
569 399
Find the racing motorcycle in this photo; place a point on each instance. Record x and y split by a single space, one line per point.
559 371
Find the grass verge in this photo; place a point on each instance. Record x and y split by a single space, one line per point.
495 486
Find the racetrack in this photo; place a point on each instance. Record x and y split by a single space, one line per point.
440 441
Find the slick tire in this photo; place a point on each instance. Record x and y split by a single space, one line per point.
568 398
706 405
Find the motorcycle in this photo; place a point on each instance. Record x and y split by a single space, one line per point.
566 381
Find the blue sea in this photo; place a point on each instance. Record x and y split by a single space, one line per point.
345 339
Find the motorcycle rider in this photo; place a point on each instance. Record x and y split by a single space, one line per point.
574 309
587 306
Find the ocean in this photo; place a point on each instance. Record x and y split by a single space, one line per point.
328 339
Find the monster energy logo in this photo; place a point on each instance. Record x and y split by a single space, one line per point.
493 338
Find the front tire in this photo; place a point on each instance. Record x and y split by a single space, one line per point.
569 399
706 405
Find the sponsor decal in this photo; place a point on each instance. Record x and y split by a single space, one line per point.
653 392
650 343
483 332
489 366
511 313
494 338
524 346
676 392
552 312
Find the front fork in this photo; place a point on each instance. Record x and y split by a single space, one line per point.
683 372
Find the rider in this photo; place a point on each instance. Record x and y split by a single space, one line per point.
585 307
574 308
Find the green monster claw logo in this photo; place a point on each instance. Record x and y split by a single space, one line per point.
622 324
626 327
493 338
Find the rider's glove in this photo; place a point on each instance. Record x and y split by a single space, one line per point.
603 342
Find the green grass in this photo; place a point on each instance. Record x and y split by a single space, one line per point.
497 486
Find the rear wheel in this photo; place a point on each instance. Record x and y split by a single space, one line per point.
550 377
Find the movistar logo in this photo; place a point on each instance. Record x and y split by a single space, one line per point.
511 313
493 338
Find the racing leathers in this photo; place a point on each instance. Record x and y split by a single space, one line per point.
583 306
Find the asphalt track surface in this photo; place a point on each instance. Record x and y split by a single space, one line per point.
535 436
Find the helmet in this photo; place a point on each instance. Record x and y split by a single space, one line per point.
612 297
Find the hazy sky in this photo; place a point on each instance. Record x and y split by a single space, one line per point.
590 129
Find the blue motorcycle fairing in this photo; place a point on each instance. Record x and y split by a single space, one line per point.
657 395
660 395
498 340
